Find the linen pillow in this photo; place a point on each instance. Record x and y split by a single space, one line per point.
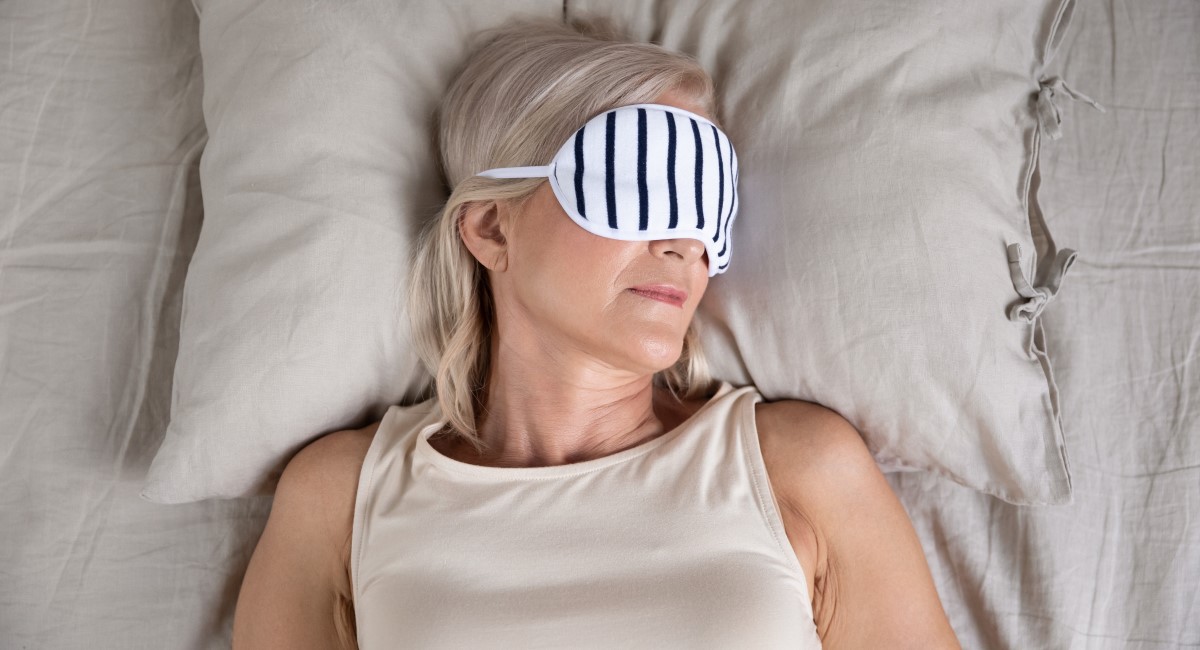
888 160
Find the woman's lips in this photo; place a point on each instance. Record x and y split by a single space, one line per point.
662 297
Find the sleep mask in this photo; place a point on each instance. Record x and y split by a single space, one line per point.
643 172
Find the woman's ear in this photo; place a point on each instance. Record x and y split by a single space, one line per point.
481 229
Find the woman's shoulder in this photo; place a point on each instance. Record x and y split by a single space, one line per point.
807 431
301 562
324 475
865 593
804 445
327 468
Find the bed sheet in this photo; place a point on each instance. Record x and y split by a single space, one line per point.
100 137
1120 566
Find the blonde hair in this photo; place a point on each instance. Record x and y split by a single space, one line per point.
527 86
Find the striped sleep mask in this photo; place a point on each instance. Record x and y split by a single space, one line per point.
643 172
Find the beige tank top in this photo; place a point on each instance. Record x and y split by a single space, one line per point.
674 543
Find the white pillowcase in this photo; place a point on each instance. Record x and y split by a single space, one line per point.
887 154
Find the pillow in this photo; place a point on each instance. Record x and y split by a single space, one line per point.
892 149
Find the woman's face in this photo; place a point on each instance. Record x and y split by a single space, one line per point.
573 288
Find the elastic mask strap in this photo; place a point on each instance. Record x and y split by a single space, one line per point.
519 172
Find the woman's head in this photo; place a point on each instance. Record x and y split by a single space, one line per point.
503 251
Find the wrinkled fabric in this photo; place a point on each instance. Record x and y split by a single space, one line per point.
1119 567
100 139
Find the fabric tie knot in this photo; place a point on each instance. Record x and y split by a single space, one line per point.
1048 114
1036 298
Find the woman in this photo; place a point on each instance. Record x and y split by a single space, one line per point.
579 479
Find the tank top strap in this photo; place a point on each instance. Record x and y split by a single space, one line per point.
389 453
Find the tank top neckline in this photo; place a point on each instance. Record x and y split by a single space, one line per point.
426 451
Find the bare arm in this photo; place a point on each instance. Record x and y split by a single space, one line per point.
296 592
873 584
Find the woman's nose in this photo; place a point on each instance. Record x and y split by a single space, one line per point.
686 247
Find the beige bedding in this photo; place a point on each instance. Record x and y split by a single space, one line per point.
100 136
